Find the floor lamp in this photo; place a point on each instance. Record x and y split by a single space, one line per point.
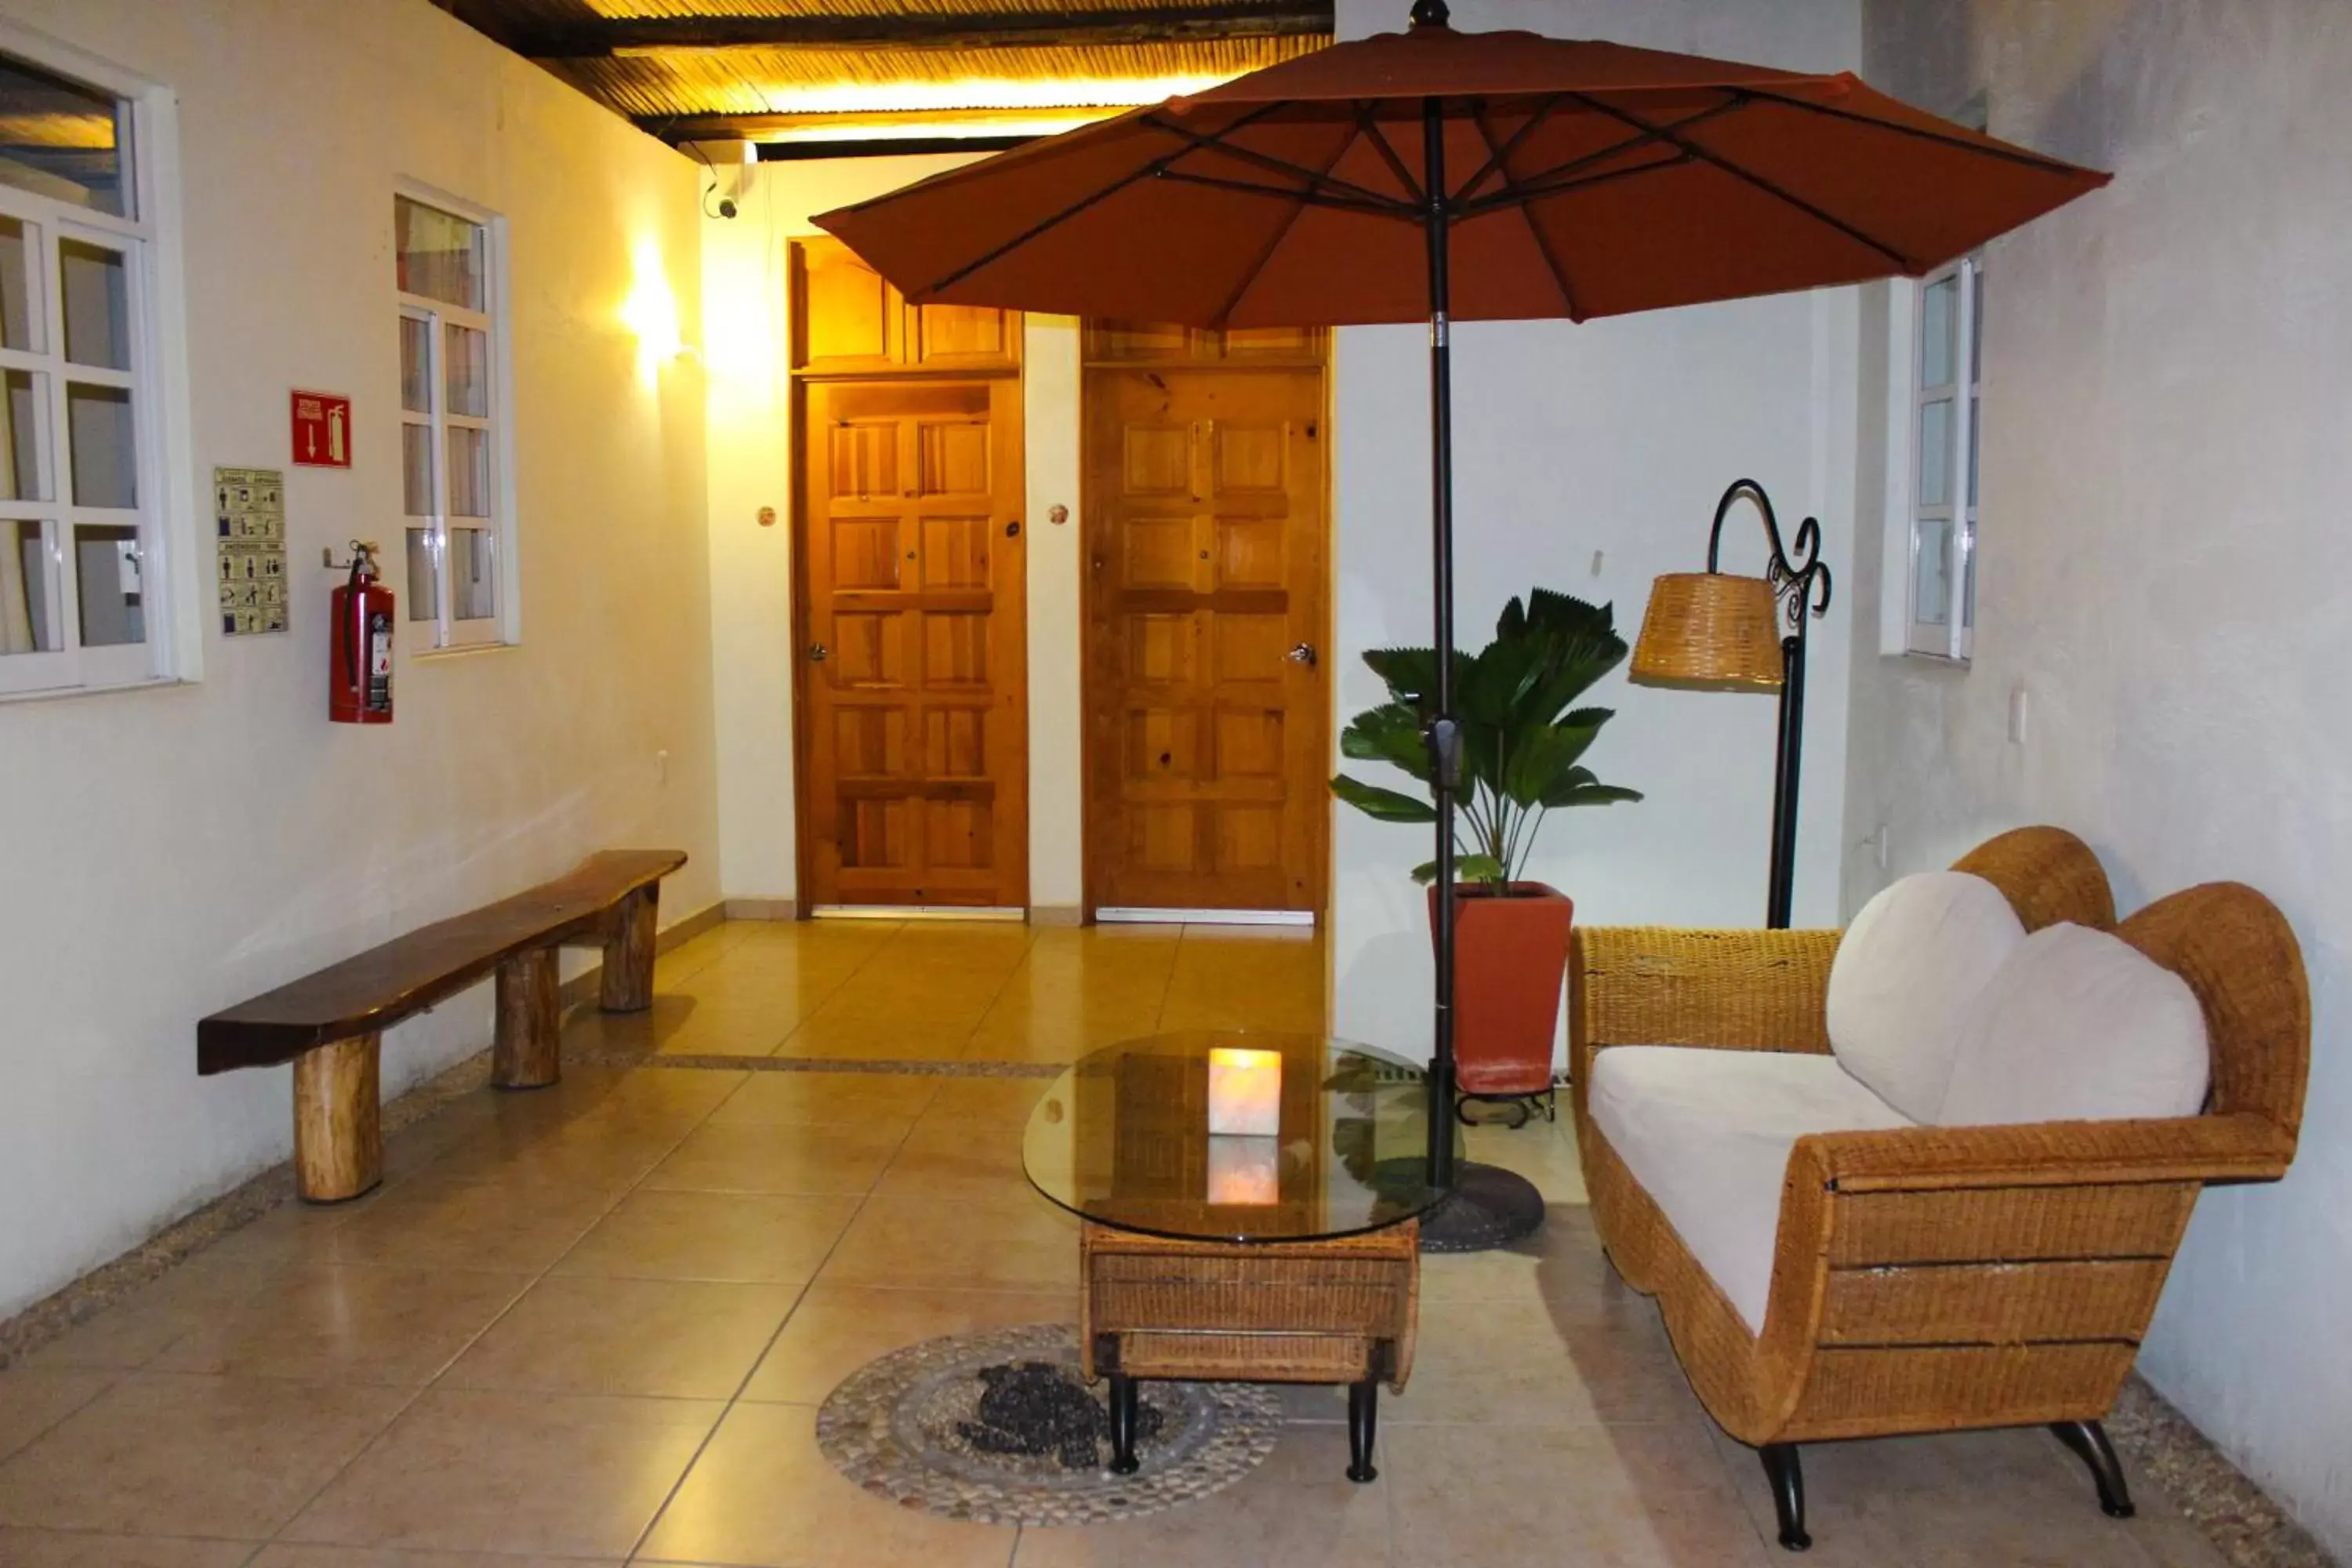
1710 631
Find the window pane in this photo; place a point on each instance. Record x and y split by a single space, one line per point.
1969 574
106 568
1976 424
415 365
467 358
25 623
473 574
420 574
19 323
62 139
1976 324
97 304
417 470
1931 588
1938 316
21 476
1936 452
440 253
470 472
105 457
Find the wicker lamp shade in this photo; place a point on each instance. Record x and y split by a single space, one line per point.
1710 631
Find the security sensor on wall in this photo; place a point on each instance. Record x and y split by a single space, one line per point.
733 167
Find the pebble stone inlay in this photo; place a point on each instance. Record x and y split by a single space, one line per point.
941 1426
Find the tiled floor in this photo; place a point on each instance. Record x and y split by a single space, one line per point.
592 1325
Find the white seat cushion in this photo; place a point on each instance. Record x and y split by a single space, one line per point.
1707 1134
2079 1025
1906 975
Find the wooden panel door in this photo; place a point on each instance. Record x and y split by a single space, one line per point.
914 748
1207 702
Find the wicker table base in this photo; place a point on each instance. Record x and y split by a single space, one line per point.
1336 1312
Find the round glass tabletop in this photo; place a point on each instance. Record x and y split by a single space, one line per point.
1217 1135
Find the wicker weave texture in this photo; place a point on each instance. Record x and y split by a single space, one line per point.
1313 1312
1712 631
1930 1279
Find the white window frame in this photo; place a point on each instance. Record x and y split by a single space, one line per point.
1902 631
503 626
167 554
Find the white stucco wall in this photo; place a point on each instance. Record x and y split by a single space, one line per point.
171 851
746 304
2165 413
1613 438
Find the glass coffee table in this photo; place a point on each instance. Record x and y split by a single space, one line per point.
1251 1207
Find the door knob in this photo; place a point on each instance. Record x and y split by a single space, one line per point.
818 652
1303 654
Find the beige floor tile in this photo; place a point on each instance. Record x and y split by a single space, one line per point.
839 1158
1014 1242
1541 1151
593 1153
672 1025
867 1099
762 1494
495 1226
1622 1497
34 1399
468 1471
171 1455
837 1328
75 1549
657 1339
370 1557
1298 1509
146 1322
977 1103
833 1037
396 1326
743 1237
948 1161
597 1095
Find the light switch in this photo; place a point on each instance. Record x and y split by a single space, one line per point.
2017 716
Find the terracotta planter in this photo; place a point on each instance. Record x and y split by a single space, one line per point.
1510 960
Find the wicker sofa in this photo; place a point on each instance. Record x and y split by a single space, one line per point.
1927 1279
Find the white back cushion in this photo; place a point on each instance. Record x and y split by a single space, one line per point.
1905 977
2079 1025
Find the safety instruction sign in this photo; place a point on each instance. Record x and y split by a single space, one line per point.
323 430
249 512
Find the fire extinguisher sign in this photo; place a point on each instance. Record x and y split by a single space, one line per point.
323 430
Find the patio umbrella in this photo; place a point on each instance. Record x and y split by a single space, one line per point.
1459 176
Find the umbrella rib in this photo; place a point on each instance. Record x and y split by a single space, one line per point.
2002 151
1311 197
1144 172
1225 311
1501 160
1519 196
1526 187
1499 157
1371 125
1217 143
1750 177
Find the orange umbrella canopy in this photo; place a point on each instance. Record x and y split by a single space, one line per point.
1580 179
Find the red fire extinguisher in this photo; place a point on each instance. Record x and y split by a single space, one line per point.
359 678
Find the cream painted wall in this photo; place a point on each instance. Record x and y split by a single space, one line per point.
171 851
1606 443
746 305
2166 405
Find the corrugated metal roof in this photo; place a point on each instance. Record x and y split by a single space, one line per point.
756 81
662 62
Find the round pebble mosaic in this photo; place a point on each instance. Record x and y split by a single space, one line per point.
998 1428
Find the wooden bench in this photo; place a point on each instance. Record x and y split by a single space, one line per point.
331 1024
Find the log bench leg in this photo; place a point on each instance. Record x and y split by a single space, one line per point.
628 982
527 1051
338 1120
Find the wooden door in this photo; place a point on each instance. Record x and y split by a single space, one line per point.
914 747
1207 702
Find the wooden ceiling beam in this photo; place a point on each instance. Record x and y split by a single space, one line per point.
1138 24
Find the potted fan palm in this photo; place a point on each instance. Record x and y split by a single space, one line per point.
1523 743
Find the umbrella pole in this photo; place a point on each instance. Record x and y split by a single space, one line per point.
1444 734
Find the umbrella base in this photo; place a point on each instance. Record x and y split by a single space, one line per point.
1490 1207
